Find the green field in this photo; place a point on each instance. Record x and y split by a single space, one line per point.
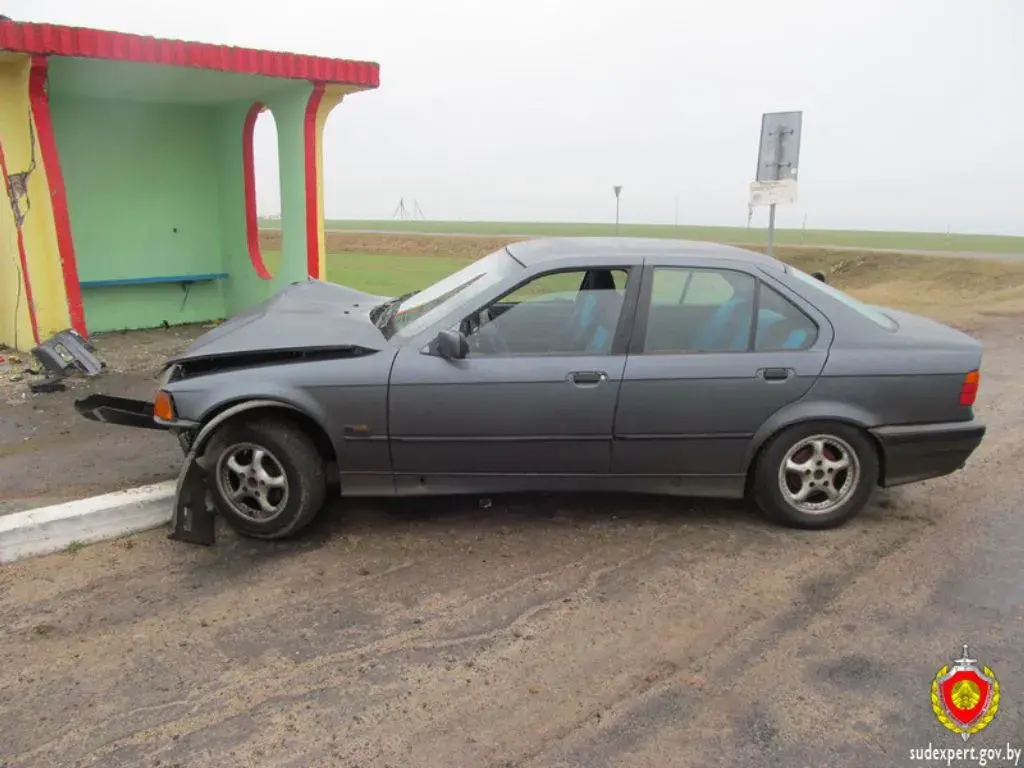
948 289
903 241
389 274
381 274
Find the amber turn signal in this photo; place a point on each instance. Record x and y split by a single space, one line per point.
163 406
969 389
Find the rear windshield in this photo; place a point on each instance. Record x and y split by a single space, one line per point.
879 318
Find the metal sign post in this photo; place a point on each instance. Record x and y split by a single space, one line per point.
778 158
617 189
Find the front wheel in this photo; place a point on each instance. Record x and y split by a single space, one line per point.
816 475
266 477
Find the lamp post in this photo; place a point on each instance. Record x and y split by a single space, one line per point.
617 189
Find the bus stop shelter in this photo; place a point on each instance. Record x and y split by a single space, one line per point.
127 163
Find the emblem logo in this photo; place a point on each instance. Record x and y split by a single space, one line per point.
965 697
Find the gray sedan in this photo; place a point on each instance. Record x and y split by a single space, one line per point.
652 366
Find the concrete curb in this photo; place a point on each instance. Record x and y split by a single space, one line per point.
51 529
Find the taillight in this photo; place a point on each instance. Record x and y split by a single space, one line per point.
969 389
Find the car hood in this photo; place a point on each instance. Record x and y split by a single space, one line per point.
302 316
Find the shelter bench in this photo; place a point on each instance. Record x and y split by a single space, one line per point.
184 280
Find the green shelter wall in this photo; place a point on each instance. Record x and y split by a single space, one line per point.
143 190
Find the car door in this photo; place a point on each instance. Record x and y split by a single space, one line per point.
715 351
536 393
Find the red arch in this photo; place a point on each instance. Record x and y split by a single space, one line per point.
252 222
313 181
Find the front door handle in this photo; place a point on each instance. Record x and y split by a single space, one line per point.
587 377
776 374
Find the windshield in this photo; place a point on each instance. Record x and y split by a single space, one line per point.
871 314
409 314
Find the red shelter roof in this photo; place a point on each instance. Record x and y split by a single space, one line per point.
82 42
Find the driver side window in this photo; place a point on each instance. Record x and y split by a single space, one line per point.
571 312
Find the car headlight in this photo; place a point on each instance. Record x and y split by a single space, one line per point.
167 376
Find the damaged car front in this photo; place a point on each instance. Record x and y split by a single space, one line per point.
264 358
269 402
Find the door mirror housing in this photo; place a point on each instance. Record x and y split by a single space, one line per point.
451 345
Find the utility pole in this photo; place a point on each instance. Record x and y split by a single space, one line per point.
617 189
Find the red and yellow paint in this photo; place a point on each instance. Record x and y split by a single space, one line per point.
39 292
322 101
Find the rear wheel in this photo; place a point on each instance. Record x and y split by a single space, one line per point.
816 475
266 477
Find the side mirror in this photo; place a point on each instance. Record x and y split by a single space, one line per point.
451 345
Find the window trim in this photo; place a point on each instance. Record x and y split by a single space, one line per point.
621 337
866 311
643 311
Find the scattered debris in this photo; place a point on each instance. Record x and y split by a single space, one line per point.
61 356
67 352
49 384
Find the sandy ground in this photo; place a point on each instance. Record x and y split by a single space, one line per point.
49 454
544 631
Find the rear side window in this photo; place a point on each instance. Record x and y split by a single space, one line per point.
781 325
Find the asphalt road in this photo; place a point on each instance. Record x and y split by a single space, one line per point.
592 631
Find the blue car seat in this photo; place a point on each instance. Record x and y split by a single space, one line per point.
728 328
771 323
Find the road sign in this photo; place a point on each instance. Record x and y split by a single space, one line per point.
778 161
778 154
781 192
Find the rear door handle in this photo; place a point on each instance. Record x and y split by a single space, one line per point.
587 377
776 374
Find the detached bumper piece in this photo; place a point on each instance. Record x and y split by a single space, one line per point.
923 451
123 411
193 521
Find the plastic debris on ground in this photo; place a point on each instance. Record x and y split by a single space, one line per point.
63 355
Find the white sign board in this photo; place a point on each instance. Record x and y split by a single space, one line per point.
778 151
782 192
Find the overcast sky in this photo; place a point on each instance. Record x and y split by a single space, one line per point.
534 109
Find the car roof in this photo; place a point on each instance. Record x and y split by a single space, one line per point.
533 252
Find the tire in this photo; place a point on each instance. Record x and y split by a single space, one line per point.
817 447
293 484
